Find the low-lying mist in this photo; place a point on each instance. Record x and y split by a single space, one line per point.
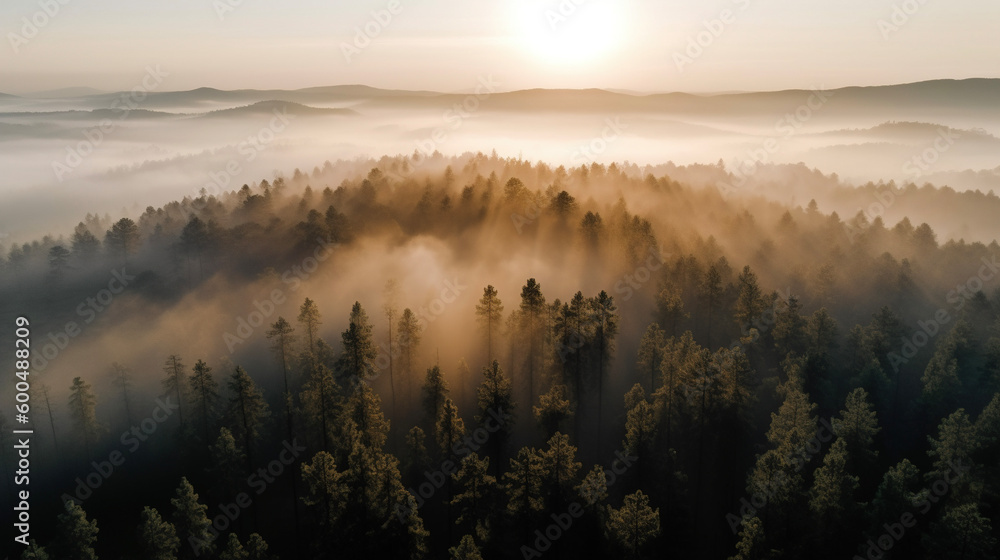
107 152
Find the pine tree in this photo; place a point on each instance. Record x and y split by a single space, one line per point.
711 292
435 392
751 543
955 445
489 311
523 482
606 319
191 522
895 495
794 424
417 458
234 550
990 378
949 370
77 534
858 426
326 487
704 396
594 488
390 310
310 319
822 335
83 408
533 324
321 403
559 468
988 444
282 334
44 403
204 397
670 309
449 428
121 377
735 378
257 548
553 408
778 471
832 492
122 238
790 330
157 537
749 300
495 397
408 342
175 383
634 524
247 411
640 424
523 485
194 240
379 510
873 379
357 361
574 343
227 461
475 494
466 550
651 349
962 534
679 354
364 409
34 552
84 244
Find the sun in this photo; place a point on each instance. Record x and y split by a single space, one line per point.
569 32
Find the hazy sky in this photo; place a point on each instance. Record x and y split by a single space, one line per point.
447 45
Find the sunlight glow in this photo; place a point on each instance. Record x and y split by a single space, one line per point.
570 32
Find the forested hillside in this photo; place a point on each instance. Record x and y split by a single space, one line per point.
483 357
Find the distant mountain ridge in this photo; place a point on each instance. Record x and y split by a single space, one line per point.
965 94
266 107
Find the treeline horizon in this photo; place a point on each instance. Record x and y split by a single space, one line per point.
652 366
